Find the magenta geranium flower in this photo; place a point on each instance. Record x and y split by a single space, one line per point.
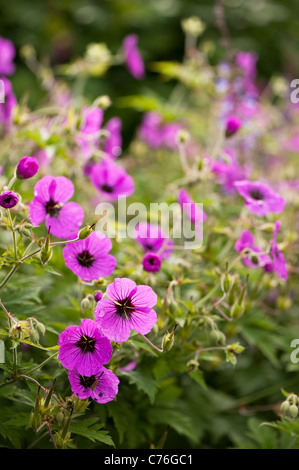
84 348
89 258
228 171
260 198
101 387
8 199
193 211
255 259
156 132
27 167
7 54
278 263
10 101
114 142
152 239
88 138
50 205
232 126
98 296
111 180
247 62
128 307
152 262
134 61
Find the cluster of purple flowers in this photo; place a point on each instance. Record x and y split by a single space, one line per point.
85 349
255 258
7 67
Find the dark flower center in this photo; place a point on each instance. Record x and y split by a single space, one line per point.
124 308
90 382
106 188
7 199
85 259
87 382
148 246
152 261
256 194
86 344
53 208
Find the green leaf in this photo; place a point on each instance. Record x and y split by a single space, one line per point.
143 381
197 376
91 429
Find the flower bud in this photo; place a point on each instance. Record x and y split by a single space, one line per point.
41 328
152 262
215 336
8 199
232 126
98 296
168 340
237 310
60 417
85 304
293 411
285 406
34 335
85 232
27 167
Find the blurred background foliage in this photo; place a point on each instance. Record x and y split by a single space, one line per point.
60 30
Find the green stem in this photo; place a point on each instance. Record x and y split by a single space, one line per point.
9 275
9 316
151 344
16 266
13 179
43 363
13 232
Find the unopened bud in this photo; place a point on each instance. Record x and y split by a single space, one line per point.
293 411
215 335
60 417
227 282
41 328
85 304
85 232
237 311
285 406
34 335
168 340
